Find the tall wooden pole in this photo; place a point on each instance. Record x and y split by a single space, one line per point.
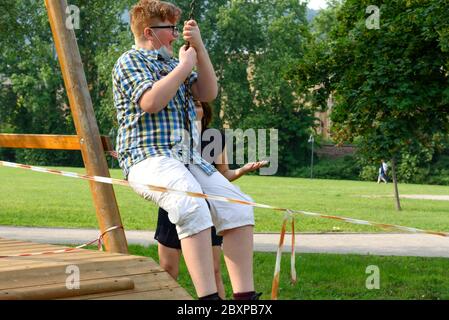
86 125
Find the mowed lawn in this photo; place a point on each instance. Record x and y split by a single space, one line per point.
37 199
339 277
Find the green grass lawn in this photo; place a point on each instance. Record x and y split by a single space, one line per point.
36 199
330 276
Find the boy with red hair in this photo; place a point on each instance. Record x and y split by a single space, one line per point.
153 95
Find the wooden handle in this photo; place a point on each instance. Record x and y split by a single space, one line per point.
61 291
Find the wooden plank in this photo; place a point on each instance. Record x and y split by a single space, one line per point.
49 264
23 249
26 263
24 277
48 292
7 241
20 247
78 257
150 282
87 265
18 242
161 294
142 282
38 249
64 256
54 275
42 261
47 141
31 262
27 247
86 125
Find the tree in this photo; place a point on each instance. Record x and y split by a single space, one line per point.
390 84
279 103
253 45
36 101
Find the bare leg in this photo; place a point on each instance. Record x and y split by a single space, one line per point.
169 260
238 253
197 251
217 271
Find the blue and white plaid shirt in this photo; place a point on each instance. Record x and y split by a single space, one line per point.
140 134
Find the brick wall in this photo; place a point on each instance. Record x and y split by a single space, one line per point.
332 151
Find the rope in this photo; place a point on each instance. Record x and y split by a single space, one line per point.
99 241
187 94
191 17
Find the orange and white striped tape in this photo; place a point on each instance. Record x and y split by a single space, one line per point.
219 198
289 212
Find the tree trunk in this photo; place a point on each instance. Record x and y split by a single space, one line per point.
395 182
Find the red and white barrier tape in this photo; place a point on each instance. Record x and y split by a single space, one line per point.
219 198
99 241
292 259
230 200
277 267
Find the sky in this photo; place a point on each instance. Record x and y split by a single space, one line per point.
317 4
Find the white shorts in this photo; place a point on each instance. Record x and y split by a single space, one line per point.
191 215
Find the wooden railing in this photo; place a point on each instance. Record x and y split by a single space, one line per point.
45 141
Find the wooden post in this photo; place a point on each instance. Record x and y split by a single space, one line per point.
86 125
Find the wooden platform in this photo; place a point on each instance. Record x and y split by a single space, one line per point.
103 276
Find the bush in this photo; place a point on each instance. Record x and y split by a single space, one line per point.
369 173
409 170
439 171
345 168
49 157
7 155
353 168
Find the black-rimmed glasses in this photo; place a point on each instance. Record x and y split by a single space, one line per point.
174 29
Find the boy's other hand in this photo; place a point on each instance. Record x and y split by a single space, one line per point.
188 56
253 166
192 34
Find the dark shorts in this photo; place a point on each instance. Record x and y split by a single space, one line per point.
167 235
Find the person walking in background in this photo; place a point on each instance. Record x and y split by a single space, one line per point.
382 172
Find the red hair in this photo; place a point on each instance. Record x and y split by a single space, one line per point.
145 12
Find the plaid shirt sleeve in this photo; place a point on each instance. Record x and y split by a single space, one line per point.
134 77
193 78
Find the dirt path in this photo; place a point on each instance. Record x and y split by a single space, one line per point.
420 245
425 197
413 196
